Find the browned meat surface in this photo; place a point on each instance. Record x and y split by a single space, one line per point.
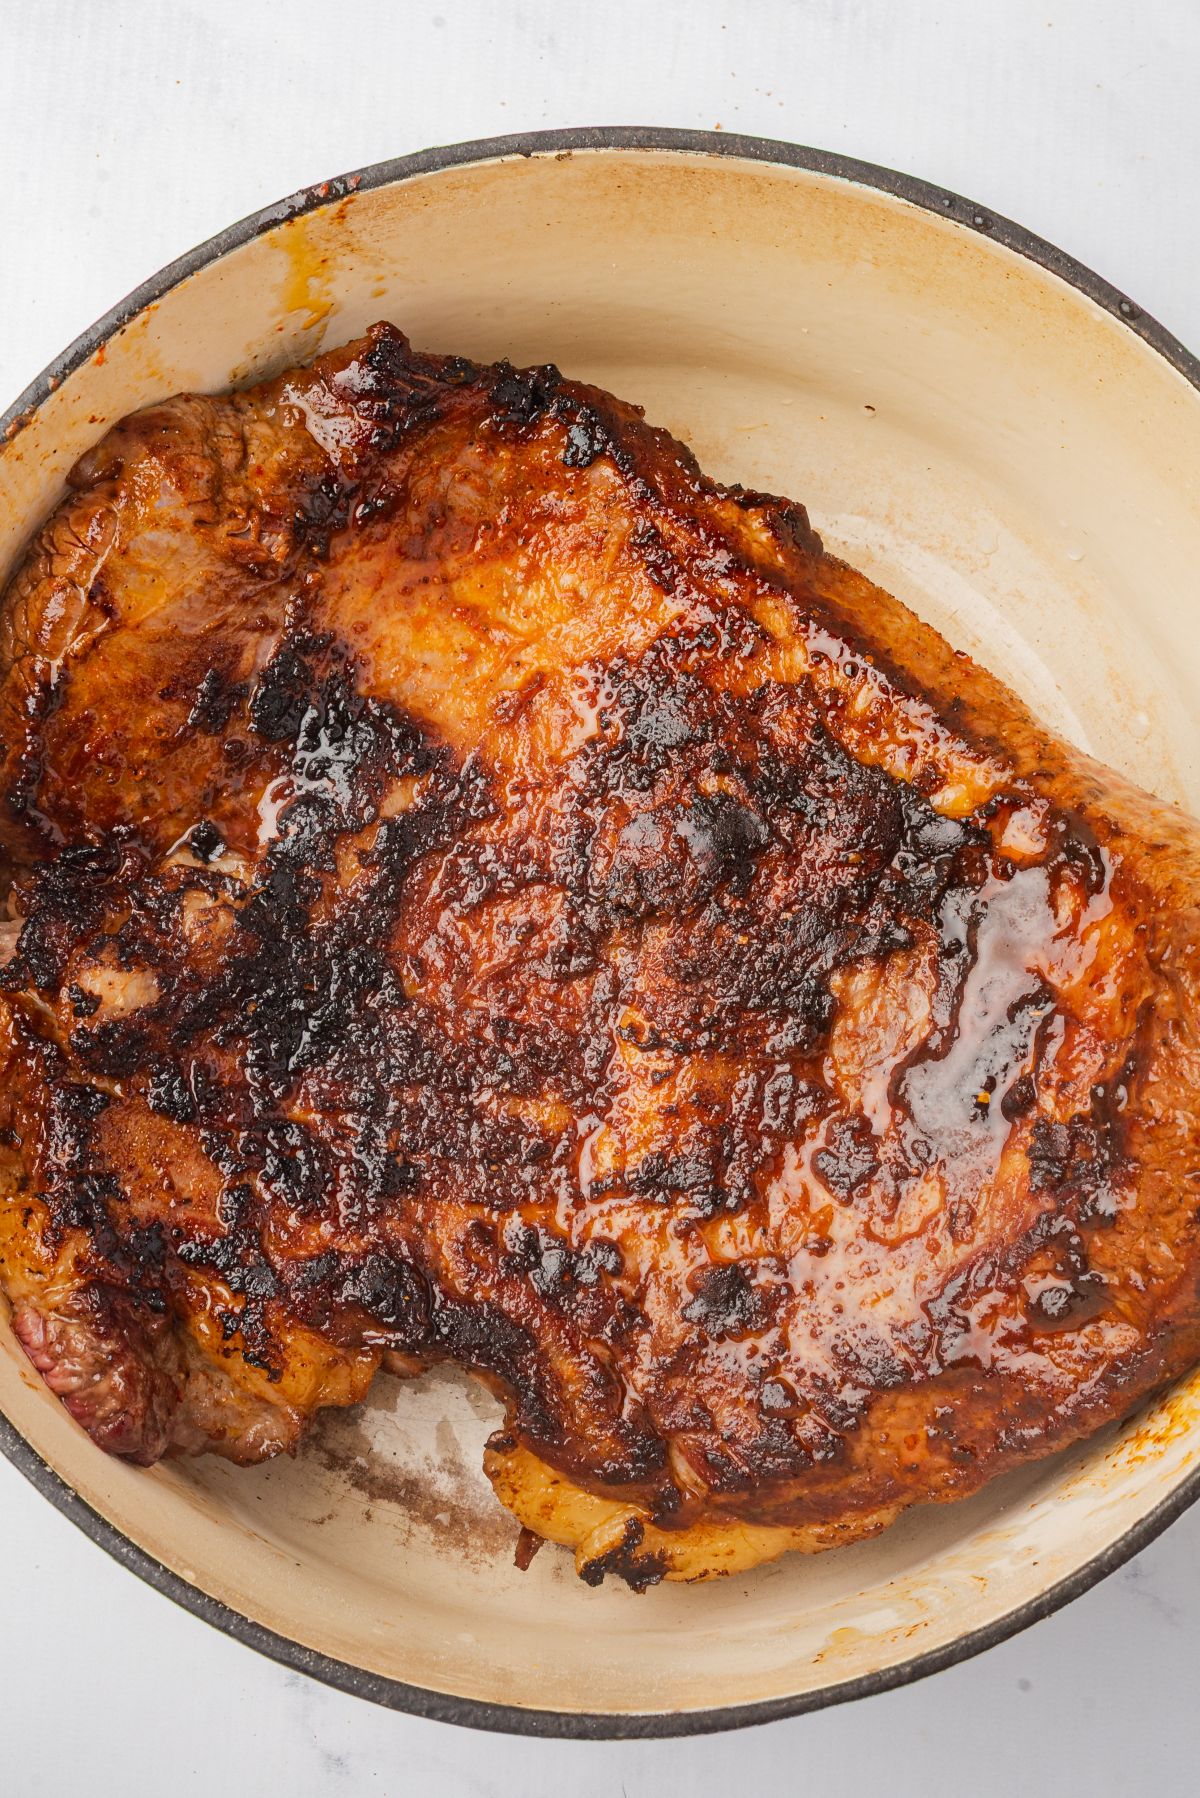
482 891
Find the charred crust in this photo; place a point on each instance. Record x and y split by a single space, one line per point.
522 397
68 897
205 841
623 1562
445 1050
849 1158
587 439
727 1302
706 799
216 700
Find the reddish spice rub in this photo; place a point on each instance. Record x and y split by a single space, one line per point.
483 891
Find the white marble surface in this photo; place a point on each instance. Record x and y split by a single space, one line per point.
129 131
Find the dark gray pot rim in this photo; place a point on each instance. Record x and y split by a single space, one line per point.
395 1693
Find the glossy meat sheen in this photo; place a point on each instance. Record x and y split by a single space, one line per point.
485 892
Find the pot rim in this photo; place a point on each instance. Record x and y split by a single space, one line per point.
381 1689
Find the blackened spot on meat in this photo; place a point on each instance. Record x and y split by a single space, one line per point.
282 899
868 1360
656 557
369 506
458 371
727 1302
1049 1154
1062 1289
597 1258
146 1245
169 1094
280 700
400 841
667 1502
391 359
553 1267
1073 1153
114 1048
522 1245
340 732
292 1166
788 1102
400 1176
67 899
394 1294
217 698
235 1204
661 720
586 439
1080 1160
849 1158
692 1177
85 1196
83 1202
326 510
72 1107
1019 1099
722 838
622 1560
484 1337
316 1273
553 1270
238 1258
808 1010
205 841
639 877
83 1004
521 396
394 390
930 833
802 770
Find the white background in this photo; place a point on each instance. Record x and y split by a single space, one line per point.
128 132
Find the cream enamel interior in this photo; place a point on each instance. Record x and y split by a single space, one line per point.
974 434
